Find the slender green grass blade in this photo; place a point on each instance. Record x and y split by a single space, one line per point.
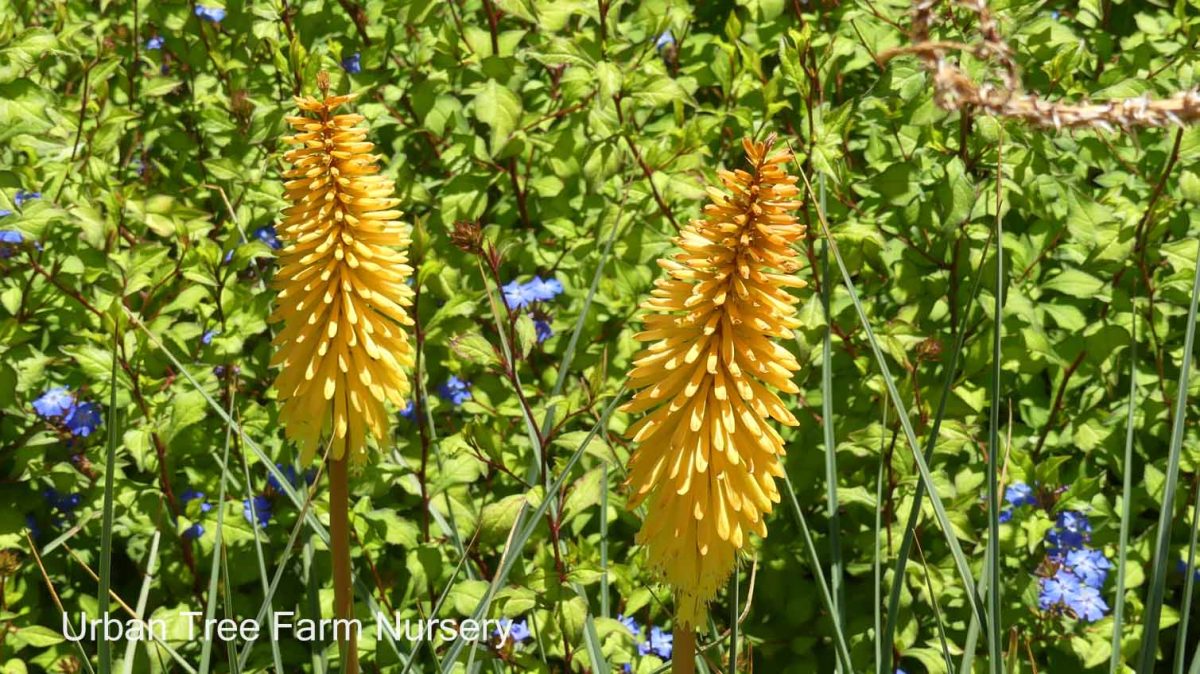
214 574
143 599
995 648
604 580
106 532
1162 548
1114 665
937 607
1189 583
256 527
877 566
734 624
839 637
831 473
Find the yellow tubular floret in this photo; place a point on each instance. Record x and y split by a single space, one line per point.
343 296
708 380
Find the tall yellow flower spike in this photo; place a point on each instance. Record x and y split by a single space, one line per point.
342 293
707 456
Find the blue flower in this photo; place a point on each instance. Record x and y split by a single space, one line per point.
660 643
1071 532
57 402
190 495
257 508
1006 515
1090 566
455 390
31 523
517 631
629 623
664 40
266 234
1074 521
1182 567
214 14
155 42
61 503
544 291
22 196
1087 603
517 295
1019 494
11 236
4 212
352 63
409 412
288 471
544 331
1058 589
207 337
84 419
194 531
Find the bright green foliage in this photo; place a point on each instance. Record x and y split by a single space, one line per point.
152 134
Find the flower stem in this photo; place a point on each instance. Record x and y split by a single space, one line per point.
683 655
339 532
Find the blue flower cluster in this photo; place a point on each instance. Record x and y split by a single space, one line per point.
62 508
352 63
197 529
267 235
154 43
214 14
22 196
518 631
1076 571
257 509
59 405
455 390
522 295
660 642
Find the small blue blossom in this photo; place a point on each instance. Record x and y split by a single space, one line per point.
214 14
266 234
1090 566
194 531
22 196
544 291
1058 589
4 212
629 623
154 43
352 63
1006 514
83 419
455 390
543 329
1182 567
11 236
289 472
1087 603
517 295
190 495
207 337
409 412
1019 494
31 523
54 403
517 631
665 40
64 504
660 643
257 508
1071 532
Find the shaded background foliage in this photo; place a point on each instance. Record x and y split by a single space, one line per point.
149 132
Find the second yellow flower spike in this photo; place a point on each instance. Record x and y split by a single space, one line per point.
707 455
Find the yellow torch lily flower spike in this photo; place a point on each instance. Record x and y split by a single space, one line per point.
342 293
707 455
